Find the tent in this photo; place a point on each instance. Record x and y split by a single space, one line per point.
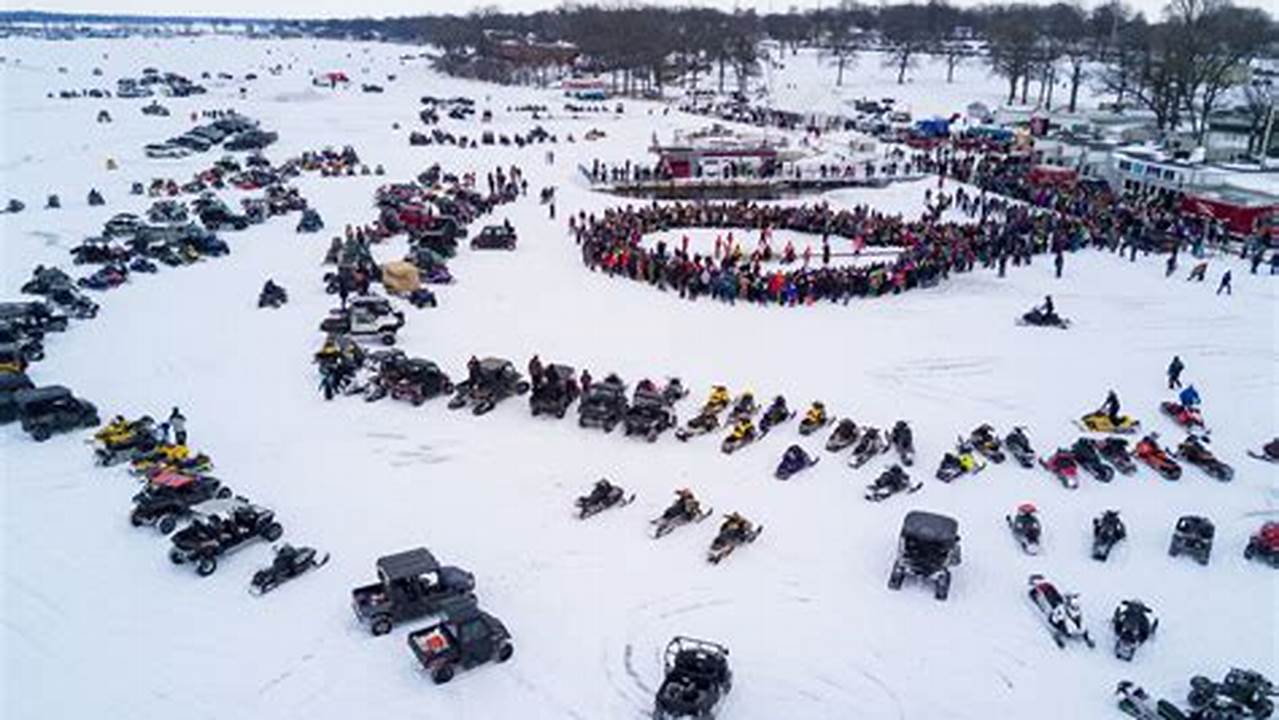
401 277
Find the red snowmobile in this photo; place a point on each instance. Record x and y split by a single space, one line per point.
1264 545
1062 464
1158 458
1187 416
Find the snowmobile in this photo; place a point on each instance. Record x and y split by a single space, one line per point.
206 539
870 444
1158 458
1061 611
903 441
686 509
844 435
734 532
1026 528
674 391
962 461
1241 694
1100 422
1135 701
743 434
289 563
892 481
1187 416
1038 317
1269 452
1086 455
717 400
776 414
794 460
142 265
986 440
1133 623
1193 536
743 408
815 419
1115 452
272 295
1264 545
1018 445
696 679
1193 451
604 495
1107 531
1062 465
707 421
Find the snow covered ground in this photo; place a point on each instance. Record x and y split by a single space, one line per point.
97 622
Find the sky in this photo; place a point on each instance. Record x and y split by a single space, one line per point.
382 8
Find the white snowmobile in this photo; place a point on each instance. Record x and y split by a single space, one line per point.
903 441
1134 623
870 444
1060 611
844 435
891 482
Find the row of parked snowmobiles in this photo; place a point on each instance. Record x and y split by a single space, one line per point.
1241 695
204 520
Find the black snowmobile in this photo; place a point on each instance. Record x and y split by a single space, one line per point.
603 496
870 444
1241 695
1107 531
986 441
683 511
1018 445
272 295
794 460
844 435
1134 623
1193 535
1194 450
903 441
1026 528
696 679
734 532
1269 452
1088 458
1115 451
1040 317
289 563
1060 611
892 481
707 421
776 414
1133 700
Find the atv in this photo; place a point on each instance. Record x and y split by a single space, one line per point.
555 393
1193 536
492 380
603 405
696 679
1245 694
648 416
927 548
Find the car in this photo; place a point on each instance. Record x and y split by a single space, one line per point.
696 679
1192 536
465 638
494 237
603 404
411 585
53 409
490 381
927 548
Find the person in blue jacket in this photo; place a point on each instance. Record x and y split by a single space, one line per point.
1189 397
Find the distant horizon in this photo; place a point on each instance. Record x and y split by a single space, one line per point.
381 9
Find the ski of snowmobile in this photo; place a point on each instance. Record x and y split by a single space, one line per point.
1262 456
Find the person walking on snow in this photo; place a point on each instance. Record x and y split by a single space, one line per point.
1059 262
1225 284
1198 272
1174 372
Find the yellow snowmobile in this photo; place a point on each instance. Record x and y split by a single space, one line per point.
743 433
1100 422
718 400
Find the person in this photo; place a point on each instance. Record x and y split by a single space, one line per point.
585 381
1174 372
1111 407
735 526
473 370
1049 310
1059 262
685 505
535 371
603 488
1171 266
1225 284
816 413
178 422
1198 272
1189 397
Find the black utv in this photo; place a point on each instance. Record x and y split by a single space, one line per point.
467 637
208 538
411 585
649 415
10 385
927 549
490 381
555 393
603 404
697 679
33 316
1193 536
53 409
